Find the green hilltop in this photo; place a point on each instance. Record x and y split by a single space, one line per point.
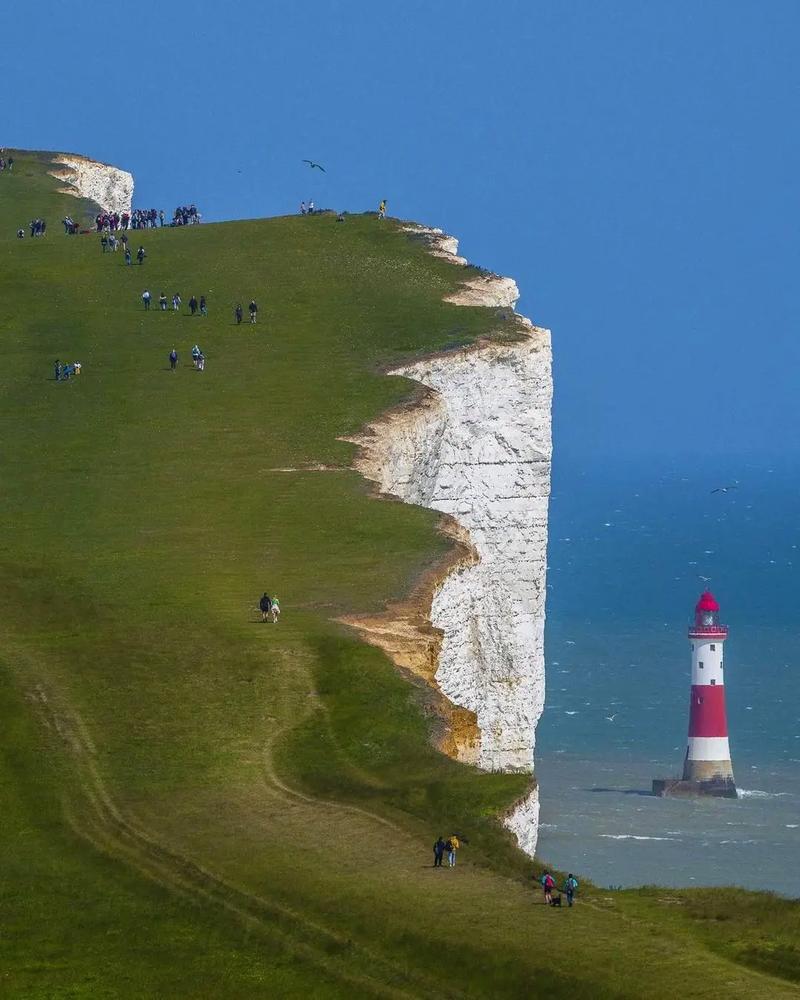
198 805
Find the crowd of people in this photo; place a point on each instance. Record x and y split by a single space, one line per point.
139 218
38 227
6 164
185 215
195 305
145 218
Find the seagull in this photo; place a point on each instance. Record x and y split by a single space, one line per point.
313 165
705 579
725 489
610 718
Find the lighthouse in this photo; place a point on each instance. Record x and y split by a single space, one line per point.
707 768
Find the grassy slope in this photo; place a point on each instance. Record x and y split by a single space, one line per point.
201 805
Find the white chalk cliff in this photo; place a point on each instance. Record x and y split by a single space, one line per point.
478 448
107 186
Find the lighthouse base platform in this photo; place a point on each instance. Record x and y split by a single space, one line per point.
720 788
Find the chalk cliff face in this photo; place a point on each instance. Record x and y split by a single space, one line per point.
478 448
109 187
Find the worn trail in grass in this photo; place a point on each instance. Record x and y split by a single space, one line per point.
200 804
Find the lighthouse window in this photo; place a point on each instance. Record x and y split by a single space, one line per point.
713 647
713 681
700 664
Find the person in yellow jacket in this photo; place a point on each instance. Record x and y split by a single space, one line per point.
451 847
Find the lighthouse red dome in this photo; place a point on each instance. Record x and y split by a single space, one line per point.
707 602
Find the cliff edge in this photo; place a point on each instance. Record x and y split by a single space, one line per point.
478 447
107 186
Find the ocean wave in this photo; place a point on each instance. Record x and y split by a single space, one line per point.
756 793
633 836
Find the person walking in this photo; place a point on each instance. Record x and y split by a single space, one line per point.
253 310
438 852
548 884
238 313
173 359
146 298
382 209
176 302
140 255
104 242
275 610
57 369
451 847
128 258
193 305
201 362
302 208
570 886
162 301
265 604
203 306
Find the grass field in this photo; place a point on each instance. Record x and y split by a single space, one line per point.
195 804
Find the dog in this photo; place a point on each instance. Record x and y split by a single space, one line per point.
555 901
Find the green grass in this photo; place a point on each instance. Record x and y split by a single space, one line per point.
199 805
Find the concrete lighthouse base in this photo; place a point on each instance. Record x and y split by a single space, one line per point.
680 788
707 770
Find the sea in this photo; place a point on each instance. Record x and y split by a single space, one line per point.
632 546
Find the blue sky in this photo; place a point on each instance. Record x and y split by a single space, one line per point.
633 165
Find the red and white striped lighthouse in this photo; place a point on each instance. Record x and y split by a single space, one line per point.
708 755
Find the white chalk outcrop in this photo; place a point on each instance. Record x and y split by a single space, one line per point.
107 186
478 448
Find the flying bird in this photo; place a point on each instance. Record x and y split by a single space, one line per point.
705 579
317 166
725 489
610 718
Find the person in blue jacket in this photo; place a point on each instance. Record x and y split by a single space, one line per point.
570 886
